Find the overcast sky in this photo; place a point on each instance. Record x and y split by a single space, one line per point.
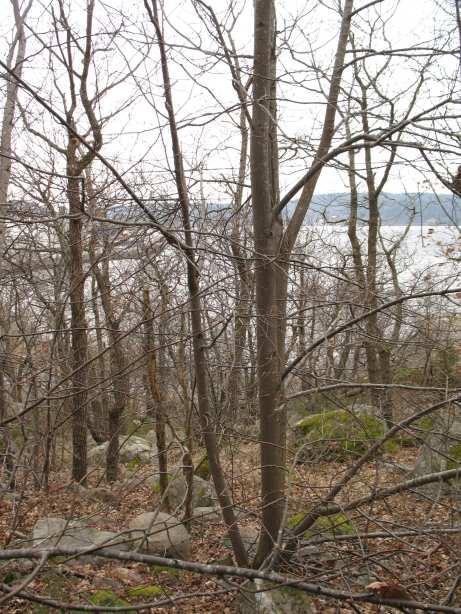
203 90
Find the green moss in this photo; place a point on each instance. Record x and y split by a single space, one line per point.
133 463
147 591
340 433
282 599
203 469
314 403
10 577
455 456
157 569
295 520
337 524
408 375
56 585
420 428
156 485
107 598
294 596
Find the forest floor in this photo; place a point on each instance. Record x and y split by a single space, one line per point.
426 566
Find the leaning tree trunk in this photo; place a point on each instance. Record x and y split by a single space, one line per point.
198 336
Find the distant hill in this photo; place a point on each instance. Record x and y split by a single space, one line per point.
396 209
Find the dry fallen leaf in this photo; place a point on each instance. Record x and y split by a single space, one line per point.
388 590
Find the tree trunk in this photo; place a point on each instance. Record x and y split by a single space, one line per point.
158 411
118 363
267 234
198 337
79 341
17 46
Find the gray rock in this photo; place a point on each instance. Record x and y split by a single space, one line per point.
52 532
249 537
338 434
135 449
442 451
204 515
107 583
95 495
202 491
151 436
11 497
160 533
260 597
126 575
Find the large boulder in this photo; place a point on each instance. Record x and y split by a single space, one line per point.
441 451
134 450
202 495
50 532
160 533
338 435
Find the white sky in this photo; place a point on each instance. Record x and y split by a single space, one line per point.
202 87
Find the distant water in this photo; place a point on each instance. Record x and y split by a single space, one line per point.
427 255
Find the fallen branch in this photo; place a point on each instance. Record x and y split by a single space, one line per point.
227 571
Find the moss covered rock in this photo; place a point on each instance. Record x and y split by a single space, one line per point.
203 469
416 433
337 524
265 598
202 490
107 598
134 450
441 452
146 591
454 452
338 435
163 569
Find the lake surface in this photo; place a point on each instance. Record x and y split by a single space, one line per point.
426 255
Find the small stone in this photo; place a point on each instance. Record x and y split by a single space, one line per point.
127 576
